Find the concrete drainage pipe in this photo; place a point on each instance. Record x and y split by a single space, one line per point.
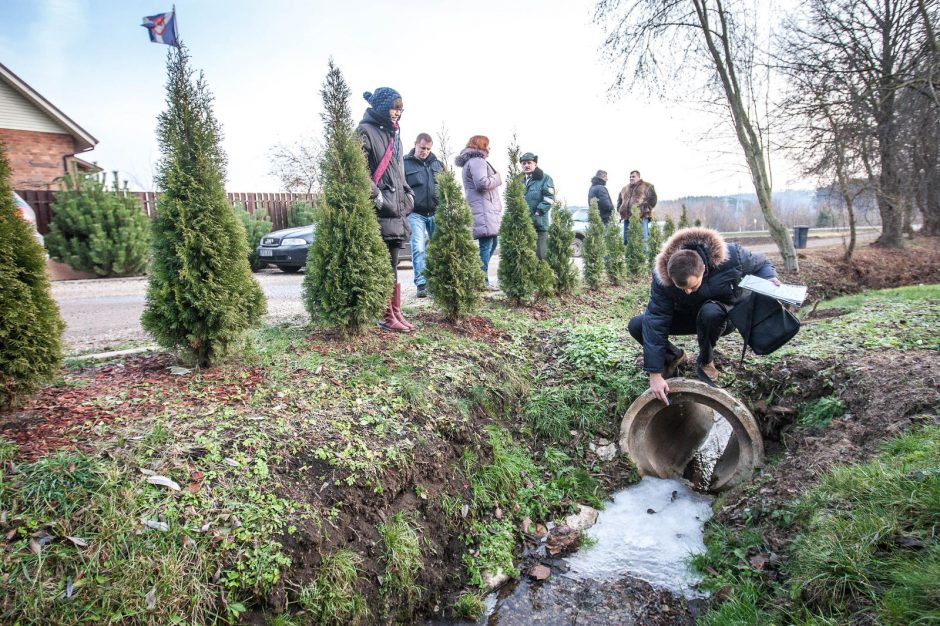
662 440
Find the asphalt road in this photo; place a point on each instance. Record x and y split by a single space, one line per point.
104 314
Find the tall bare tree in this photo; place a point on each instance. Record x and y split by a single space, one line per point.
655 38
868 53
297 165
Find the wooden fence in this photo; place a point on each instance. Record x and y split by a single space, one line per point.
276 205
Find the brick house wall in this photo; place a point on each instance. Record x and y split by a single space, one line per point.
36 158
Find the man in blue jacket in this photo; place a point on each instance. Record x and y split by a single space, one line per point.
539 195
695 283
421 166
599 190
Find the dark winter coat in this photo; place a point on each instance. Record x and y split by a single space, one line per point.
420 176
640 194
392 196
725 266
539 195
604 204
481 184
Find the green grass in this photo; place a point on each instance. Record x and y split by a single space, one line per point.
402 558
469 606
867 548
821 412
492 550
332 598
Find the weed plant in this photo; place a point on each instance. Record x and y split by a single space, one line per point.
469 606
821 412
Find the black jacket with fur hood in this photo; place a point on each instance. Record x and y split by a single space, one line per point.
725 265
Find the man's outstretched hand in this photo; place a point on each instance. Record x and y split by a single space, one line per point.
659 387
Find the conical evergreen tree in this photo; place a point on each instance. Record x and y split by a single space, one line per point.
522 275
636 251
655 243
560 238
256 226
684 218
201 297
348 278
615 261
30 326
669 228
594 248
99 230
455 279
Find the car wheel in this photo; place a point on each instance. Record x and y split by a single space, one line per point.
576 246
289 269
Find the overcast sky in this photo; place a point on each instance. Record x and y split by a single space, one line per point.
490 67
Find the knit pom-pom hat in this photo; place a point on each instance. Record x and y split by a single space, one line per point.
381 99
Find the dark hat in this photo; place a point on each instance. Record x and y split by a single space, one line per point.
381 100
600 174
528 156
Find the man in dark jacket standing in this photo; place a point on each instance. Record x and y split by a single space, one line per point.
421 166
539 195
641 195
694 285
599 190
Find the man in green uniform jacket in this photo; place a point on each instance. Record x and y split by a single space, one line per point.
539 195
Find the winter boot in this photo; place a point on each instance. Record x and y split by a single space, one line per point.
389 321
396 308
673 362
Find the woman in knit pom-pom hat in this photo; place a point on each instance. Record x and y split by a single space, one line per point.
392 196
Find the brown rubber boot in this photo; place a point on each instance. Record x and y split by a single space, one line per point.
673 365
389 321
396 308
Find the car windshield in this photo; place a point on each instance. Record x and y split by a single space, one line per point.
579 214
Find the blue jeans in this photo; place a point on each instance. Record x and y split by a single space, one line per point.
487 245
420 224
645 223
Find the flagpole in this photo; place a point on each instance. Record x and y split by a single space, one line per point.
176 26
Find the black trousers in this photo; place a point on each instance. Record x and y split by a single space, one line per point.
708 325
394 248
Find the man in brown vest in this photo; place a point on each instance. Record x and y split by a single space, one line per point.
641 195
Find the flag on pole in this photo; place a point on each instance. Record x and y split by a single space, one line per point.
162 28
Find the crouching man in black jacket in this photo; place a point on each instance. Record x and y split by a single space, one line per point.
695 283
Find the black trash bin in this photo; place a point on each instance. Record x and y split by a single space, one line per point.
799 236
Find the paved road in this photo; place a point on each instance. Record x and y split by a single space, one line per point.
104 314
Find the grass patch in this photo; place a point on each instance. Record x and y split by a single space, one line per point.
469 606
868 549
332 599
402 558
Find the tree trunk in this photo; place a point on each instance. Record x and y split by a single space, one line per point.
722 56
931 206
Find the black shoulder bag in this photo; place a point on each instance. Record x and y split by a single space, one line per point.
764 323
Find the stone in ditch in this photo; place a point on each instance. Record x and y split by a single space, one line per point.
583 519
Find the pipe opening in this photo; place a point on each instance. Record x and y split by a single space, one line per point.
704 435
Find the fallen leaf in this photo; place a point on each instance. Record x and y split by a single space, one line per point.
146 472
464 510
155 525
651 511
152 599
178 371
78 541
230 461
319 370
193 487
526 523
163 481
758 561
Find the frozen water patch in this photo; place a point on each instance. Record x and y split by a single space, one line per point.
648 531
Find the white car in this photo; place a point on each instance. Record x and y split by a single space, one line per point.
28 214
